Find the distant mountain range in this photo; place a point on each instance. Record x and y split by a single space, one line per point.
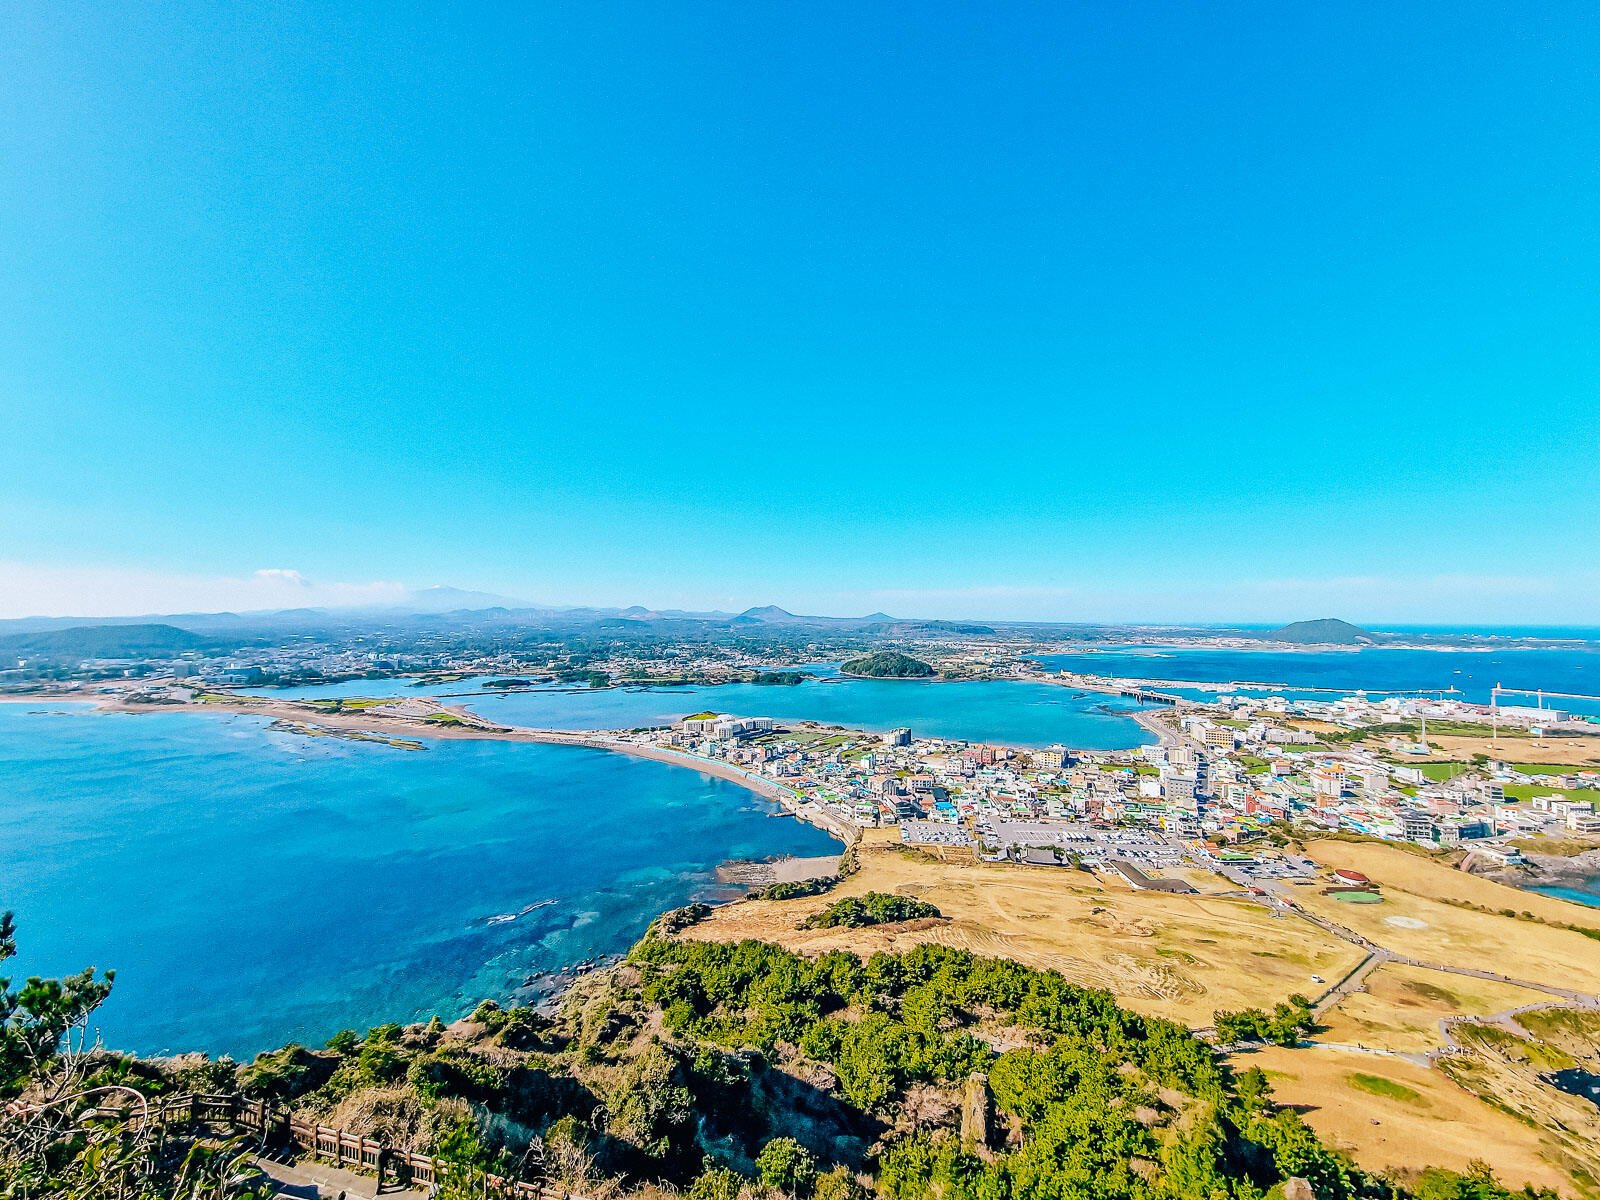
440 607
445 608
449 599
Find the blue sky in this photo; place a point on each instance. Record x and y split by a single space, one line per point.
1189 312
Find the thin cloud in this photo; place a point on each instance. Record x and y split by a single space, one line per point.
28 590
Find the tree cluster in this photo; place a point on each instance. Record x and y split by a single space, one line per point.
1285 1025
872 908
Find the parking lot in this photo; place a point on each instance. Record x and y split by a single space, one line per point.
933 833
1147 847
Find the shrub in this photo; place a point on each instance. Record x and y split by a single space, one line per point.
874 908
788 1166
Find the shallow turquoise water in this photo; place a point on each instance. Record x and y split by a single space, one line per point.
1014 713
253 887
1589 894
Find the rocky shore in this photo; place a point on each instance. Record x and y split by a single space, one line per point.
1581 871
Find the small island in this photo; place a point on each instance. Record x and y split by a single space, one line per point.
779 678
888 664
1328 631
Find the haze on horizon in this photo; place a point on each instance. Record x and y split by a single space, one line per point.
1002 314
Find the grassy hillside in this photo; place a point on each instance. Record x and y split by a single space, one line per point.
741 1070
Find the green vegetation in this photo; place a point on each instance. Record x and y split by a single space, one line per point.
779 678
103 641
1501 1041
873 908
1413 730
1285 1025
888 664
1100 1102
1547 769
1390 1089
794 890
1328 631
728 1070
1527 791
787 1166
1442 772
1556 846
594 678
1138 767
335 704
58 1143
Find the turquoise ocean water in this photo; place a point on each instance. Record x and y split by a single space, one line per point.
1588 894
252 887
1019 714
1472 673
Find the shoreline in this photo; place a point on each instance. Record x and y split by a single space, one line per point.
546 989
478 728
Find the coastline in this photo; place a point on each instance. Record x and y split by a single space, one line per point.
543 989
1574 878
477 728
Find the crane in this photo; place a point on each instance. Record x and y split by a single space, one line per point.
1499 690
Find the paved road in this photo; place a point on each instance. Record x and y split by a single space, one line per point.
1421 1060
1377 956
1384 954
1354 981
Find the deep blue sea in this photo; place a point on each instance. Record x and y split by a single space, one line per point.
253 887
1014 713
1375 669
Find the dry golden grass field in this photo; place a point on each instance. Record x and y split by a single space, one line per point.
1400 1007
1392 1115
1182 957
1415 919
1564 751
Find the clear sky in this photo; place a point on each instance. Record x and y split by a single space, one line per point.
1063 311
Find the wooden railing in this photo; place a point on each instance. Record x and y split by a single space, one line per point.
273 1126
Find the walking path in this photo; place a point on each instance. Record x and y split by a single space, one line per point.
1377 956
308 1180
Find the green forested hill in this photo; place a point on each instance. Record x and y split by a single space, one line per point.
888 664
1328 631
